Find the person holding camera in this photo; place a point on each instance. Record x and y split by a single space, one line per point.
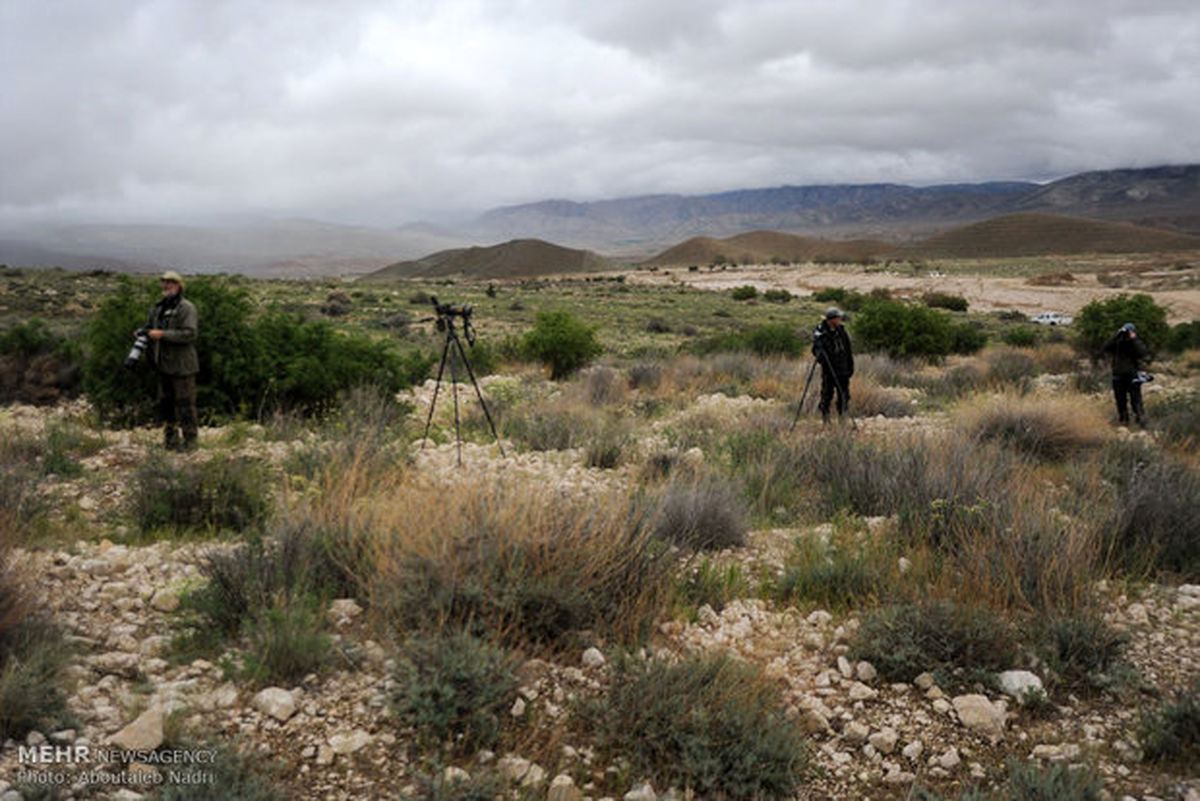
171 328
1127 353
831 347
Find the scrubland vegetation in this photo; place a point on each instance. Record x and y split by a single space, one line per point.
967 522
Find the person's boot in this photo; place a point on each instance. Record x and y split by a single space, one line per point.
189 441
171 438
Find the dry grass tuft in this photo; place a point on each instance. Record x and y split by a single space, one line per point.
1045 428
523 566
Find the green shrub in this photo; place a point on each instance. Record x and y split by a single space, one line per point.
764 340
709 725
285 643
1098 321
250 365
233 774
1155 525
941 300
1022 336
1031 782
454 690
1178 418
1082 652
777 296
842 575
703 513
847 299
214 495
33 655
744 292
958 644
1184 336
903 331
708 583
20 474
291 577
562 342
967 338
1171 733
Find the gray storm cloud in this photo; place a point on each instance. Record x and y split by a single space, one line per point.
380 112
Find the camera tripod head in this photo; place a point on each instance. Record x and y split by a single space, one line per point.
446 312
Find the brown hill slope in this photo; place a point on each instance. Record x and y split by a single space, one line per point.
1048 234
520 258
768 246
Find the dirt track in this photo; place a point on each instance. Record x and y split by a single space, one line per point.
984 293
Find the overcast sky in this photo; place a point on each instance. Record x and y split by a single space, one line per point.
389 111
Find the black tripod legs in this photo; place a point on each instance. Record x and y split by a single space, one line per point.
452 356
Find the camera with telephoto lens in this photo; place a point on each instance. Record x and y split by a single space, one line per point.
140 342
446 312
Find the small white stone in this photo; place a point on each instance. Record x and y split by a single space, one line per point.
593 658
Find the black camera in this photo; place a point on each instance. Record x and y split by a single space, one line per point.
141 341
449 309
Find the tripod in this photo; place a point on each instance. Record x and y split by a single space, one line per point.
452 351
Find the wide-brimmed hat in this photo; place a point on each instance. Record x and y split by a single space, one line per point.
171 275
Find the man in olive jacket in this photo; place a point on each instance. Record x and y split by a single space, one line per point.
831 347
1127 353
172 328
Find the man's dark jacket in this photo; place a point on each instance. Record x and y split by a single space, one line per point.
833 343
1127 355
175 353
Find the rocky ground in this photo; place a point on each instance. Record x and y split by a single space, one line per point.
335 740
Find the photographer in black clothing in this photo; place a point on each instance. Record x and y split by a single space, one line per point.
1127 353
831 347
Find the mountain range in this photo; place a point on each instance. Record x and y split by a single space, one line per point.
629 229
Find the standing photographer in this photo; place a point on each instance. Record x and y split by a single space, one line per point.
831 347
1127 353
172 328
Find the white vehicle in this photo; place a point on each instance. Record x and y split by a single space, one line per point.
1053 318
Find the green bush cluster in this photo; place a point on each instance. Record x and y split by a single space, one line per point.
234 774
1171 732
772 339
942 300
33 655
562 342
1082 652
709 725
903 330
744 292
1099 320
251 363
270 595
847 299
219 494
455 690
959 644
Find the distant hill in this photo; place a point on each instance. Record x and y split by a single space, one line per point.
521 258
1160 196
1011 235
764 247
1048 234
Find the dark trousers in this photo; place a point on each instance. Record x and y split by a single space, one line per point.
830 383
1128 393
177 404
